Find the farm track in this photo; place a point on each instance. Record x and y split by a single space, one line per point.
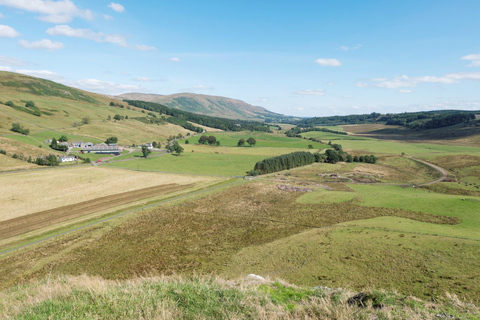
439 169
42 219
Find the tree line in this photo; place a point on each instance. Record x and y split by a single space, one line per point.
283 162
296 131
213 122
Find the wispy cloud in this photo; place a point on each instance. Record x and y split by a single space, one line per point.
346 96
174 60
309 92
406 81
9 61
64 30
107 17
142 47
44 74
475 58
8 32
404 91
346 48
106 87
198 88
44 44
2 16
62 11
116 7
328 62
143 79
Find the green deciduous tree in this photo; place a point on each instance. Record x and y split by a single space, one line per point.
145 151
241 143
111 140
251 142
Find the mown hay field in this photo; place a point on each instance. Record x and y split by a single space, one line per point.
28 192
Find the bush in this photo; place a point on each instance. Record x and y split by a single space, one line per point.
17 127
3 152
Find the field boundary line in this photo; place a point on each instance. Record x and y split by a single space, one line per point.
118 216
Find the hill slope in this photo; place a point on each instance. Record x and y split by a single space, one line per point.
54 109
207 105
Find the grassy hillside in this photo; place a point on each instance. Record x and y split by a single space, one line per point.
48 109
214 298
207 105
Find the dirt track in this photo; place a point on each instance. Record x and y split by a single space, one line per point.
441 170
20 225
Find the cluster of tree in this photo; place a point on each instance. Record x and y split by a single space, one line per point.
334 156
117 117
445 121
17 127
145 151
283 162
251 142
184 124
175 147
338 120
213 122
85 120
116 104
29 108
296 132
3 152
210 140
111 140
50 160
416 120
56 146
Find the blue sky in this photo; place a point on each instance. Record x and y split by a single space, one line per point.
304 58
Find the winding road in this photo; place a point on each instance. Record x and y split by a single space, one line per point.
439 169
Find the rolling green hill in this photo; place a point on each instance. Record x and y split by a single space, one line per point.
49 108
207 105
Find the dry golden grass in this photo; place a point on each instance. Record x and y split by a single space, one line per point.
13 146
8 164
28 192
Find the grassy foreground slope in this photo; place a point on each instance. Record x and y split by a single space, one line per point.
213 298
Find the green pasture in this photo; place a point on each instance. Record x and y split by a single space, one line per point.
327 136
326 196
465 208
27 139
272 140
194 163
49 134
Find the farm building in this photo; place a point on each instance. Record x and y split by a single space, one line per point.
66 159
81 144
102 149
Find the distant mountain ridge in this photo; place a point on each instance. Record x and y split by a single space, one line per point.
207 105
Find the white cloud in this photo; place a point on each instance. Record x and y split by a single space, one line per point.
105 86
471 57
362 84
11 61
300 109
116 7
144 79
344 48
346 96
331 84
475 63
64 30
107 17
8 32
309 92
378 79
62 11
174 60
125 73
358 46
464 76
2 16
44 74
201 87
41 44
5 68
142 47
328 62
404 91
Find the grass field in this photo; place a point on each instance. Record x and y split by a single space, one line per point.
270 140
194 163
29 192
8 164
